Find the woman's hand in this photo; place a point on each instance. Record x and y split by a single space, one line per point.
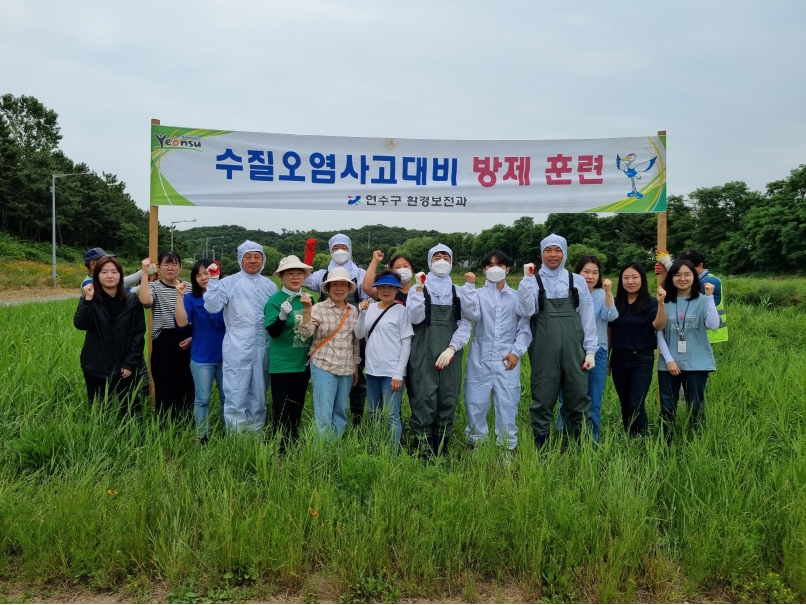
396 385
181 288
661 295
709 289
145 264
356 374
607 285
378 256
306 301
363 305
185 343
89 291
124 373
674 369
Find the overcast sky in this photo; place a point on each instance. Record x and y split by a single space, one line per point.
726 80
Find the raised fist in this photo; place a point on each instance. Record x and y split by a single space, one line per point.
214 271
89 291
285 311
181 288
607 285
528 269
470 277
420 278
363 305
146 263
709 289
378 256
661 294
306 301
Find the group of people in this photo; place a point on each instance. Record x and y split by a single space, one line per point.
374 334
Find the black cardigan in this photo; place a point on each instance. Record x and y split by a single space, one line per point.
110 346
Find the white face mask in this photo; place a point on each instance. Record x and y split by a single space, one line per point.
496 274
441 267
340 256
405 275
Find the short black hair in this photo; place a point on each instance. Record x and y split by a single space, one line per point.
694 256
668 285
168 255
501 257
589 258
397 257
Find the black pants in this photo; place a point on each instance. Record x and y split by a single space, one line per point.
288 399
174 390
632 376
124 389
358 393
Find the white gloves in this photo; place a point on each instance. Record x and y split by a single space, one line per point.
664 259
590 362
285 311
419 279
445 358
528 269
214 271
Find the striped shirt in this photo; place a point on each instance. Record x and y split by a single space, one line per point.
340 354
163 309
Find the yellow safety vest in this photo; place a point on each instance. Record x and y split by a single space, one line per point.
721 333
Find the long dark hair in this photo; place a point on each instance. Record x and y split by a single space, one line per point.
120 292
643 299
668 285
195 288
589 258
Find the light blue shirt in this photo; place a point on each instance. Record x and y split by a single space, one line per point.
602 315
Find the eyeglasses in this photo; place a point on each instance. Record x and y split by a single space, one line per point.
171 265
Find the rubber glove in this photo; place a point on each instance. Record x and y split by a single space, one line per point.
528 269
420 278
445 358
214 271
662 256
285 311
590 362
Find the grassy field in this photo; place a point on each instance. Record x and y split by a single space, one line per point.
87 501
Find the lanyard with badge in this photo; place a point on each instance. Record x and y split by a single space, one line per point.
681 330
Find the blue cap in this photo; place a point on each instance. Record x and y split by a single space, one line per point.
94 254
387 280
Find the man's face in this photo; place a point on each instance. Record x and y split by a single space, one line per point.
339 247
251 262
552 256
440 256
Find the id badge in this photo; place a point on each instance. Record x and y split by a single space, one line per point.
681 346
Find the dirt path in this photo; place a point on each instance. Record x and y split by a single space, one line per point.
28 295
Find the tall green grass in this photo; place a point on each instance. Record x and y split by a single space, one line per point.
714 513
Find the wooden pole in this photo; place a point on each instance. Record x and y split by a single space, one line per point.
662 224
153 253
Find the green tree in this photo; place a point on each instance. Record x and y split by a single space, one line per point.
577 251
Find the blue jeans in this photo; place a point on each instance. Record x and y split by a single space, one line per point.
596 384
331 396
382 400
203 375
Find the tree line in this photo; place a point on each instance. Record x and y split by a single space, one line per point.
739 230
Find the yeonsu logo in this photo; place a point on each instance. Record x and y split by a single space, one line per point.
180 141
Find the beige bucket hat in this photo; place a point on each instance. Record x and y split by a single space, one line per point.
338 274
292 262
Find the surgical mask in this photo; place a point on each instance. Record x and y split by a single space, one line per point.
441 267
405 275
496 274
340 256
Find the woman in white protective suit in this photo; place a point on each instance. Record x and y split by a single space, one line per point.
243 297
500 338
441 314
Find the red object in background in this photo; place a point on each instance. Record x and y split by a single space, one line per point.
310 251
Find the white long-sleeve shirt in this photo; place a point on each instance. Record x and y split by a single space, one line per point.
557 287
388 348
415 307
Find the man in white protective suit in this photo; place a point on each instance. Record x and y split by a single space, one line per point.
500 339
243 297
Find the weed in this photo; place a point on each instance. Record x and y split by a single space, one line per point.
372 590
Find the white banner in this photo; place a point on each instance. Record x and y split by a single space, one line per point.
193 167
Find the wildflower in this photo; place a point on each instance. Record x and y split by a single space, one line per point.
313 513
112 492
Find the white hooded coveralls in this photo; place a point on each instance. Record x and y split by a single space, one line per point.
498 330
245 352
